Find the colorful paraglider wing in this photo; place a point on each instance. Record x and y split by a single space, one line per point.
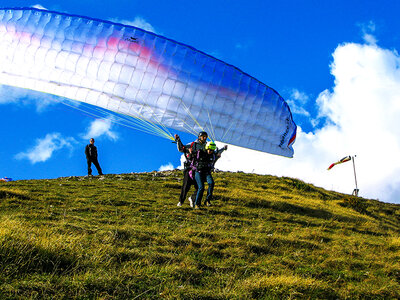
137 73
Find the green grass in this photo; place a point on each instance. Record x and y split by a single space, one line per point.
123 237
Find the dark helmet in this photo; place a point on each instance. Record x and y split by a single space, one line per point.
201 133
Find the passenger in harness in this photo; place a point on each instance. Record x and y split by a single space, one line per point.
202 167
188 151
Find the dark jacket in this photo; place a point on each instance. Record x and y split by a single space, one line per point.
91 151
195 146
204 162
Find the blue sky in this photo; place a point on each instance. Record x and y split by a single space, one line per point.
335 62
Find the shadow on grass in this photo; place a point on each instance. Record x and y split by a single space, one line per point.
19 257
297 210
278 246
283 207
176 186
4 194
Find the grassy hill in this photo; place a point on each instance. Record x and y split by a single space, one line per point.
123 237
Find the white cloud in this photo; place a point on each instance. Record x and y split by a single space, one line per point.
182 160
300 96
297 102
137 22
9 94
167 167
22 96
369 38
44 148
368 30
100 127
363 118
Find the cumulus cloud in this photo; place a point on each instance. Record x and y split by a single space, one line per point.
297 102
368 30
182 160
44 148
100 127
137 22
362 117
167 167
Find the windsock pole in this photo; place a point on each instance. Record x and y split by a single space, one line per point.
355 192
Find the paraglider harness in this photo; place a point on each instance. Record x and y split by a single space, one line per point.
188 155
201 162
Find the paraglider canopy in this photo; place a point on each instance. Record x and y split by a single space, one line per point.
153 82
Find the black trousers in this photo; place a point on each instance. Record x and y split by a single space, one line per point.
96 164
187 183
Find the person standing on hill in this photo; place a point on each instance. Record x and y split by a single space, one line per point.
91 157
187 150
202 165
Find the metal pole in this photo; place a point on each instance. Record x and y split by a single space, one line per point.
355 177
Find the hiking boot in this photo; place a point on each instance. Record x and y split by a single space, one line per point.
208 203
196 207
179 204
191 202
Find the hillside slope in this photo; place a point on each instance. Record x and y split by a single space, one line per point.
123 237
